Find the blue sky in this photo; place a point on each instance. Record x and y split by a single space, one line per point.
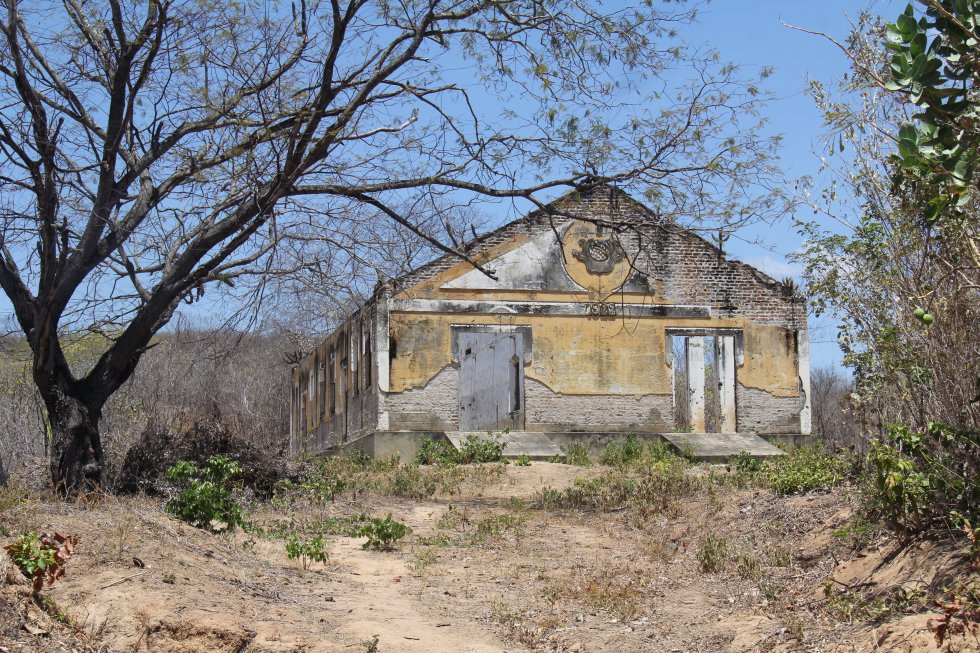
751 33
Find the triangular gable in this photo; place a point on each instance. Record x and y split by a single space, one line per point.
533 265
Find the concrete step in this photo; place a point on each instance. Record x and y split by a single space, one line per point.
718 447
533 444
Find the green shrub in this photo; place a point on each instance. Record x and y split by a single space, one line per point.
523 460
382 533
745 463
309 551
576 453
805 470
658 451
205 499
436 452
652 492
922 481
622 454
482 450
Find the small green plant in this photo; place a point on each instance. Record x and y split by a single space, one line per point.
622 454
745 463
42 557
576 453
169 578
206 497
308 551
523 460
382 533
713 554
422 558
857 534
482 450
748 566
436 452
371 645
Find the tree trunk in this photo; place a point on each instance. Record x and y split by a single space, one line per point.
76 445
3 473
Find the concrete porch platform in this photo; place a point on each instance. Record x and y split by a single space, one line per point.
533 444
718 447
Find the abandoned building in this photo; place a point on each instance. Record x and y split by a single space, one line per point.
599 319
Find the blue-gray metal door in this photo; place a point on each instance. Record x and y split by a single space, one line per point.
491 381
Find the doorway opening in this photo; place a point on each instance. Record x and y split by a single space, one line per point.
703 369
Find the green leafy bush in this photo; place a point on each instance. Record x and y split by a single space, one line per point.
482 450
523 460
576 453
805 470
41 557
382 533
434 451
920 481
745 463
474 449
309 551
622 454
206 496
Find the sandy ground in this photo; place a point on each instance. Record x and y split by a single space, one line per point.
487 574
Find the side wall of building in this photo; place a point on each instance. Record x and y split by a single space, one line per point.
334 390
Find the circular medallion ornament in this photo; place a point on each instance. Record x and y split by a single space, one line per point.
595 261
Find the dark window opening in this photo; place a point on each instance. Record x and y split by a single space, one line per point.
367 361
517 383
322 388
355 381
332 364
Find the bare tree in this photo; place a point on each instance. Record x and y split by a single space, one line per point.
833 419
152 149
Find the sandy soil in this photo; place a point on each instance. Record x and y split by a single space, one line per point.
481 572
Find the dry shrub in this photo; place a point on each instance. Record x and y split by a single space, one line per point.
615 589
148 459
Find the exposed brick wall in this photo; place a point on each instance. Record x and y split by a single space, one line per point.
760 412
433 407
546 410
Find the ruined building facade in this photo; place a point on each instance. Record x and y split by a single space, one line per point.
600 319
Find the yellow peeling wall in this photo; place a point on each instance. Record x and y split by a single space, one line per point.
582 355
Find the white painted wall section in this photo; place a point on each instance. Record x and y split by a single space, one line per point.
695 382
725 357
803 355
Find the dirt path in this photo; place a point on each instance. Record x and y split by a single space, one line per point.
395 612
483 572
